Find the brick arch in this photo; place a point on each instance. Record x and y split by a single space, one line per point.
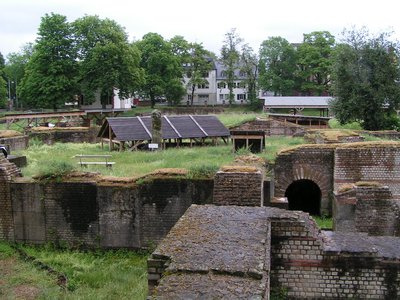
308 172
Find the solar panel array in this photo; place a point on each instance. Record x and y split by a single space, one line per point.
173 127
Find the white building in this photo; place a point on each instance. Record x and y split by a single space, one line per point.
216 91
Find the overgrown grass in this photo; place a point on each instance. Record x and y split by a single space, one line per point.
334 124
58 159
324 222
44 159
91 275
274 144
234 119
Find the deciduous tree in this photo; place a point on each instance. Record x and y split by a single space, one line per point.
366 80
278 66
230 57
107 60
50 77
162 68
314 61
249 68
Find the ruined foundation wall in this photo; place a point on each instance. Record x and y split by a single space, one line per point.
368 163
308 264
109 216
79 135
238 188
272 127
315 164
369 209
16 142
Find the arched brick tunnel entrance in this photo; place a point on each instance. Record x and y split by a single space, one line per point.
304 195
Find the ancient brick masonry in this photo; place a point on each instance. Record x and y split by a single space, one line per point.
210 245
311 163
369 209
7 172
239 187
16 142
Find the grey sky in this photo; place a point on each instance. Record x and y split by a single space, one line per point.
203 21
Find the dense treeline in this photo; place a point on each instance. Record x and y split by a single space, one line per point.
92 57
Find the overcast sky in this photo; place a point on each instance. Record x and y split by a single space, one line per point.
204 21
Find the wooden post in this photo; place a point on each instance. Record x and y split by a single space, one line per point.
109 138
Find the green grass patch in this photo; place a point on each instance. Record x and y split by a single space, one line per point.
324 222
233 120
334 124
90 275
274 144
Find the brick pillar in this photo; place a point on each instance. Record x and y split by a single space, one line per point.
239 185
7 172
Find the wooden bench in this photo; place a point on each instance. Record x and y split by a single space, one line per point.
85 160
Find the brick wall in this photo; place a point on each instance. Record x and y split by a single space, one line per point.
78 135
309 264
272 127
306 263
369 209
8 171
368 163
16 142
238 188
315 164
110 216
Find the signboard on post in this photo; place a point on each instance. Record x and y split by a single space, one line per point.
153 146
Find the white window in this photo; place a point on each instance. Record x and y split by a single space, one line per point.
203 97
203 86
221 85
241 96
189 97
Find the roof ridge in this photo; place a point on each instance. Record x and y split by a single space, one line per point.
144 127
198 125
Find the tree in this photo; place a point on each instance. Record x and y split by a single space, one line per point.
230 57
50 77
162 68
365 77
107 60
3 84
15 68
249 68
314 60
198 67
278 65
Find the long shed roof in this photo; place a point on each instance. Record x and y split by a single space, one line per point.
172 127
293 102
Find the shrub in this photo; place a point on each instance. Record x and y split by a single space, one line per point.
202 171
54 169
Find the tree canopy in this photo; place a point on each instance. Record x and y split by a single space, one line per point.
314 60
365 77
277 66
161 67
230 57
50 79
106 59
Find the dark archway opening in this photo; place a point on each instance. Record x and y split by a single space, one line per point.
304 195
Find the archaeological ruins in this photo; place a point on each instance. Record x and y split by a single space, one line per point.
242 234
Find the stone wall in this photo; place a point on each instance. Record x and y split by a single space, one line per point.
66 135
315 265
311 163
16 142
8 171
109 216
239 187
250 249
272 127
369 209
